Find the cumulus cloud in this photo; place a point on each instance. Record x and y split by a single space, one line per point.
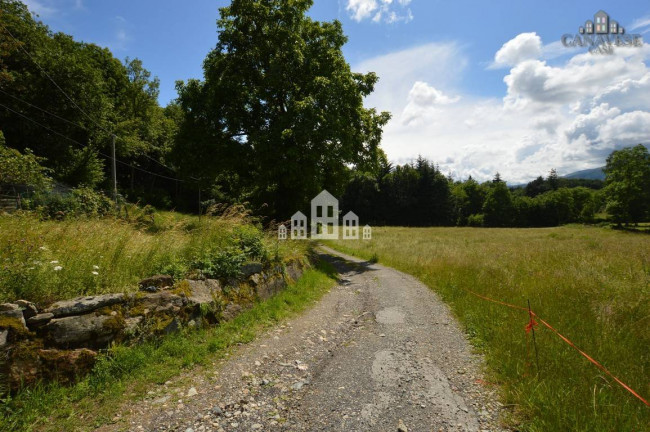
40 8
525 46
422 102
568 115
389 11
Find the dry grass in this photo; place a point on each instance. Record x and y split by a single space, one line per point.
593 284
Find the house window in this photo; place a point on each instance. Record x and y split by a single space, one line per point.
347 222
347 233
330 228
319 228
319 211
354 223
295 222
302 223
330 211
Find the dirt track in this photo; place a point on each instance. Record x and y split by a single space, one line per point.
378 353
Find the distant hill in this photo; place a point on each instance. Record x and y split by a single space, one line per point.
589 174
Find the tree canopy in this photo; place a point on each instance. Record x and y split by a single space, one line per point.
279 114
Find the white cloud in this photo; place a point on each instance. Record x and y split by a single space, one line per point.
388 11
423 100
640 23
525 46
568 116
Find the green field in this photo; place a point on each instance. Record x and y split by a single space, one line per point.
592 284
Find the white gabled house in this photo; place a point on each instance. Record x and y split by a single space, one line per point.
298 226
350 226
282 232
325 216
367 232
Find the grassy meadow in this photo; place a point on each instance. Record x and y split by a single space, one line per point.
44 261
592 284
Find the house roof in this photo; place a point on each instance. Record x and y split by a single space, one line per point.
601 13
298 215
324 196
350 214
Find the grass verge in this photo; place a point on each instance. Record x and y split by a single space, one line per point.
45 261
129 372
592 284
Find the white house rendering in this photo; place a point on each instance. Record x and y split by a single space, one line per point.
350 226
324 222
298 226
325 217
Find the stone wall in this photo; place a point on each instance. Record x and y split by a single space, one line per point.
61 341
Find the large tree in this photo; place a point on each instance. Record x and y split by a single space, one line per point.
279 114
627 183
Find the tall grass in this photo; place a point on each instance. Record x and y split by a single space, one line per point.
592 284
43 261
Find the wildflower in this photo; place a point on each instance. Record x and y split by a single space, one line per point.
57 268
54 262
95 273
95 267
43 248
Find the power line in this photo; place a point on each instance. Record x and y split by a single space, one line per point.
20 45
83 146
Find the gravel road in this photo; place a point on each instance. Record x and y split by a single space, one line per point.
379 352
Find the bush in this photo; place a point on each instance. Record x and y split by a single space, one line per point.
475 220
78 202
222 264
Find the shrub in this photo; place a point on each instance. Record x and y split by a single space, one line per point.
475 220
78 202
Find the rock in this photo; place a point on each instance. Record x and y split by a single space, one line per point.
192 392
29 308
401 427
294 271
298 385
217 411
255 279
66 366
3 338
157 281
203 291
131 324
13 319
8 307
250 269
40 320
149 289
231 311
83 330
82 305
172 327
154 303
256 426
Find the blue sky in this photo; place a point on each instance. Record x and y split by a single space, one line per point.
477 86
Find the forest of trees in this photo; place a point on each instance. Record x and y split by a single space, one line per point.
278 116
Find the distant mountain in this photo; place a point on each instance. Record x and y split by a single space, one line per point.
589 174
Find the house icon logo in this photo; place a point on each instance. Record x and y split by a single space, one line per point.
324 222
601 24
602 35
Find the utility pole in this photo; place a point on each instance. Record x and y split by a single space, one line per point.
117 207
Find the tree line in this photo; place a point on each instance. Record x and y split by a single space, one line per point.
419 194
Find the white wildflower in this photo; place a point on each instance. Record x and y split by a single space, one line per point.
54 262
43 248
95 267
57 268
95 273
